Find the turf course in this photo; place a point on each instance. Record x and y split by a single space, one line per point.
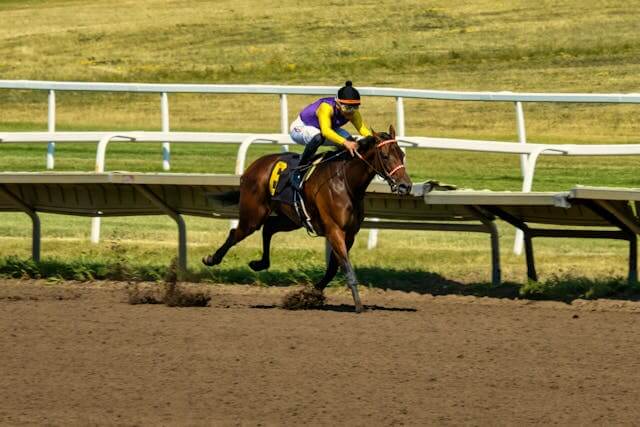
575 46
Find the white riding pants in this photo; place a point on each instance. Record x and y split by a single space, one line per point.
302 134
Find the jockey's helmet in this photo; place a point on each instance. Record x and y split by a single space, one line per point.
348 97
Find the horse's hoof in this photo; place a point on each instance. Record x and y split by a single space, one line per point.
359 309
210 261
258 265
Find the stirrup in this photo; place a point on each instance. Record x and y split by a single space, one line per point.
296 180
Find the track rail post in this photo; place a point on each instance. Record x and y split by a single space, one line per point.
617 218
527 235
35 221
488 221
182 228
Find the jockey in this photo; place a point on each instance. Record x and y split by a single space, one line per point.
322 120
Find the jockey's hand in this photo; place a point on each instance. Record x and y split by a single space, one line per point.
351 146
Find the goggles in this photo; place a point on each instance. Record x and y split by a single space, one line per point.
349 108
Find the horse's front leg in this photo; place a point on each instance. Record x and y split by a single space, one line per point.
272 225
332 266
340 245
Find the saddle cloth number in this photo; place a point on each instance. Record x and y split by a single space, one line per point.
275 176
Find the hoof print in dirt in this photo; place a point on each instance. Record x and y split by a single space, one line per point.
305 299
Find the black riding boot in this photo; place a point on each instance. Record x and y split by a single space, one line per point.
309 150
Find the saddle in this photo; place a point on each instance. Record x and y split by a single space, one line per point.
281 189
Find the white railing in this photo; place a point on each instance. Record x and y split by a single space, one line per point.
530 152
282 91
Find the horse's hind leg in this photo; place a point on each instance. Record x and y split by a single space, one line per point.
251 219
272 225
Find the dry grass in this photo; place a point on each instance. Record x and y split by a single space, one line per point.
570 46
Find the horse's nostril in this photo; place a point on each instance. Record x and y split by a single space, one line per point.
404 188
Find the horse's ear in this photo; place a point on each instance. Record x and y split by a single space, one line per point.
392 132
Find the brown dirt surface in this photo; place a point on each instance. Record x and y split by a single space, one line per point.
79 354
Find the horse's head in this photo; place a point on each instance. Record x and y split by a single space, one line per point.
387 159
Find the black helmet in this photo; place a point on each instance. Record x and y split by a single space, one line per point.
348 95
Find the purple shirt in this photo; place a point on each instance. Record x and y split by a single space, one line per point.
309 118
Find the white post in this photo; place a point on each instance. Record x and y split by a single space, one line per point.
400 116
51 148
101 153
95 229
524 163
284 117
522 135
166 147
372 242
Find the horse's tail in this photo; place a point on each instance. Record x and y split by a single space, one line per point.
231 197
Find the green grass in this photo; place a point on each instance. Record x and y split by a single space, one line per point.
141 248
545 46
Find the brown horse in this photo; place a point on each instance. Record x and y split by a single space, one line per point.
333 197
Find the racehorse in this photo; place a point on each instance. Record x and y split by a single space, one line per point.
333 196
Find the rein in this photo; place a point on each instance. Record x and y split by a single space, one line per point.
327 159
384 174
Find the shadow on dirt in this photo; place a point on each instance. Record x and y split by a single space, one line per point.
342 308
565 288
433 284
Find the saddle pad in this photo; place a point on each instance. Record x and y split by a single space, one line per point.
279 179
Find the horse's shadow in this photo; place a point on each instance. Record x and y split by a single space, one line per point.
555 288
342 308
424 282
564 288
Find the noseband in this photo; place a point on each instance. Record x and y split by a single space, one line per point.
384 174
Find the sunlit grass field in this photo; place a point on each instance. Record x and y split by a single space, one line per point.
545 46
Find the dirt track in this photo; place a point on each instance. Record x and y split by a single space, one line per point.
79 354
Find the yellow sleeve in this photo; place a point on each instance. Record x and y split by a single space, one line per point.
324 113
359 124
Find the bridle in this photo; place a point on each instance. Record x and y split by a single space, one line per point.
384 173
